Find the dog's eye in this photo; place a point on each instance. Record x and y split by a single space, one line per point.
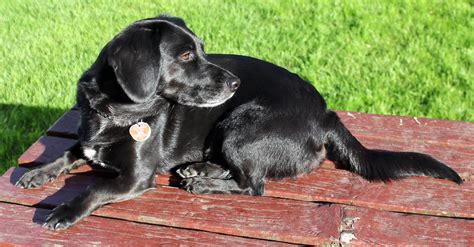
186 56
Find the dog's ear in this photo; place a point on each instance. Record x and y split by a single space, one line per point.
134 56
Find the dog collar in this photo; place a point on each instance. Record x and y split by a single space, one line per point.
101 113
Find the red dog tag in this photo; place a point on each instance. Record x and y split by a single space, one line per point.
140 131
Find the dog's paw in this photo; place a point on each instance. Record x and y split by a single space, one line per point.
35 178
62 217
195 185
187 172
207 170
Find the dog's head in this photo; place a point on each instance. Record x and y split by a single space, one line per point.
161 56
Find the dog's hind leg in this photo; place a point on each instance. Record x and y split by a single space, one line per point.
49 172
205 185
213 179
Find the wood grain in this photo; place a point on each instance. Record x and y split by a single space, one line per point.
264 218
22 226
271 219
374 227
420 195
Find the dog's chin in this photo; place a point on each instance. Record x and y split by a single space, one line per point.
207 104
214 103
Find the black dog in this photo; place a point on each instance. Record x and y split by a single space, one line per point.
229 121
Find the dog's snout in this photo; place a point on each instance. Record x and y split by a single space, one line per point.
233 83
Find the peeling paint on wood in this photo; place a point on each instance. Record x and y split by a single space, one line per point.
264 218
17 228
376 227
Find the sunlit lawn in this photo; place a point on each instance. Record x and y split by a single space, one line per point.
390 57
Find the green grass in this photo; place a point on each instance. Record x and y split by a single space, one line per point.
391 57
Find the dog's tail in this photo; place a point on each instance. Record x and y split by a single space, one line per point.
379 165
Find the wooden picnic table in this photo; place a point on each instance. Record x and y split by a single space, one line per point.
326 206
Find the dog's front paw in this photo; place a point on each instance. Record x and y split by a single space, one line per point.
62 217
35 178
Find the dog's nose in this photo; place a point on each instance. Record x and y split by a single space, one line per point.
233 83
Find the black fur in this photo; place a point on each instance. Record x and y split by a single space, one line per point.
276 125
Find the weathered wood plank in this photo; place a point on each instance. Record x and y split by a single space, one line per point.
444 133
237 214
374 227
266 218
66 126
22 226
44 150
419 195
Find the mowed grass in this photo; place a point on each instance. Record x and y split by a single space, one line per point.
391 57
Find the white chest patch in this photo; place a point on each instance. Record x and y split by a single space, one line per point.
89 153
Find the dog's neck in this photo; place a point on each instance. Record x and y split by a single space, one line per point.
128 114
101 114
121 114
